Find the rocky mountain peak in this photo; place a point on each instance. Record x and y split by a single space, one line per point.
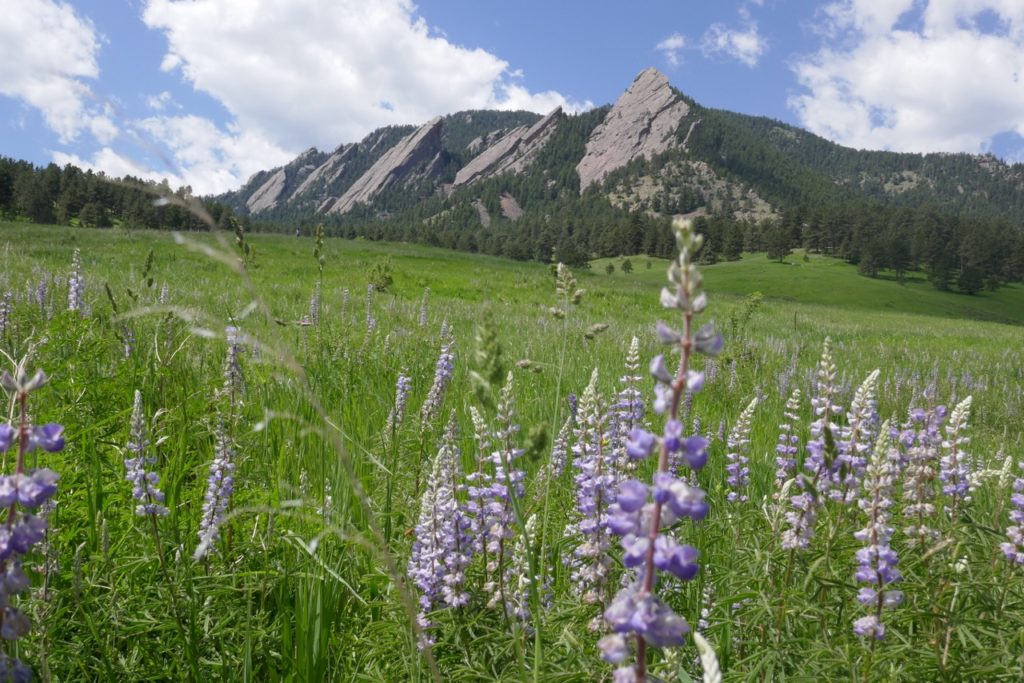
511 152
417 155
642 122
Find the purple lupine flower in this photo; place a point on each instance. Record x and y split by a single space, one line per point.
738 459
854 442
442 376
785 461
1013 548
29 489
144 482
921 439
233 385
220 485
7 434
506 484
636 609
423 307
591 562
521 580
804 513
40 293
371 322
954 468
402 387
5 311
478 486
76 283
628 410
165 295
442 548
560 449
877 560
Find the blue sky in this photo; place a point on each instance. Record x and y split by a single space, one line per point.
206 92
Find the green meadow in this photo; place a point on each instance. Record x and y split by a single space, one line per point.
307 581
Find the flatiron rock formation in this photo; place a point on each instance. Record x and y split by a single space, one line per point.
642 122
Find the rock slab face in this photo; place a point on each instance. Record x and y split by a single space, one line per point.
268 193
278 187
418 155
642 122
511 153
327 170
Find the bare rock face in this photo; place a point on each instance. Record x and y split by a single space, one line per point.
510 208
481 210
327 170
510 153
268 193
641 123
417 155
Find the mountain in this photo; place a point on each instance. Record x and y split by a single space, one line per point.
608 181
654 150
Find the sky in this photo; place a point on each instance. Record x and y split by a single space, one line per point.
206 92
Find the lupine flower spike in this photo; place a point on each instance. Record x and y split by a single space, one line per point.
220 485
442 376
1013 549
27 489
595 491
76 283
442 548
786 450
642 511
877 559
954 468
144 482
738 459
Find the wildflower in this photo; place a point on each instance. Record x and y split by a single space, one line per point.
628 409
506 484
233 386
739 444
804 513
397 414
877 560
785 461
5 311
220 485
1013 549
28 489
642 512
144 482
371 322
954 468
442 548
442 376
921 439
854 441
76 283
560 449
595 490
423 307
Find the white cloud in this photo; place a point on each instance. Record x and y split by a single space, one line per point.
47 52
745 45
323 72
943 75
161 101
670 47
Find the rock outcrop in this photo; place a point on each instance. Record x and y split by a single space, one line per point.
416 156
267 194
510 153
278 186
642 122
327 171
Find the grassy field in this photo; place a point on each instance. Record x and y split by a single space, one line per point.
307 581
